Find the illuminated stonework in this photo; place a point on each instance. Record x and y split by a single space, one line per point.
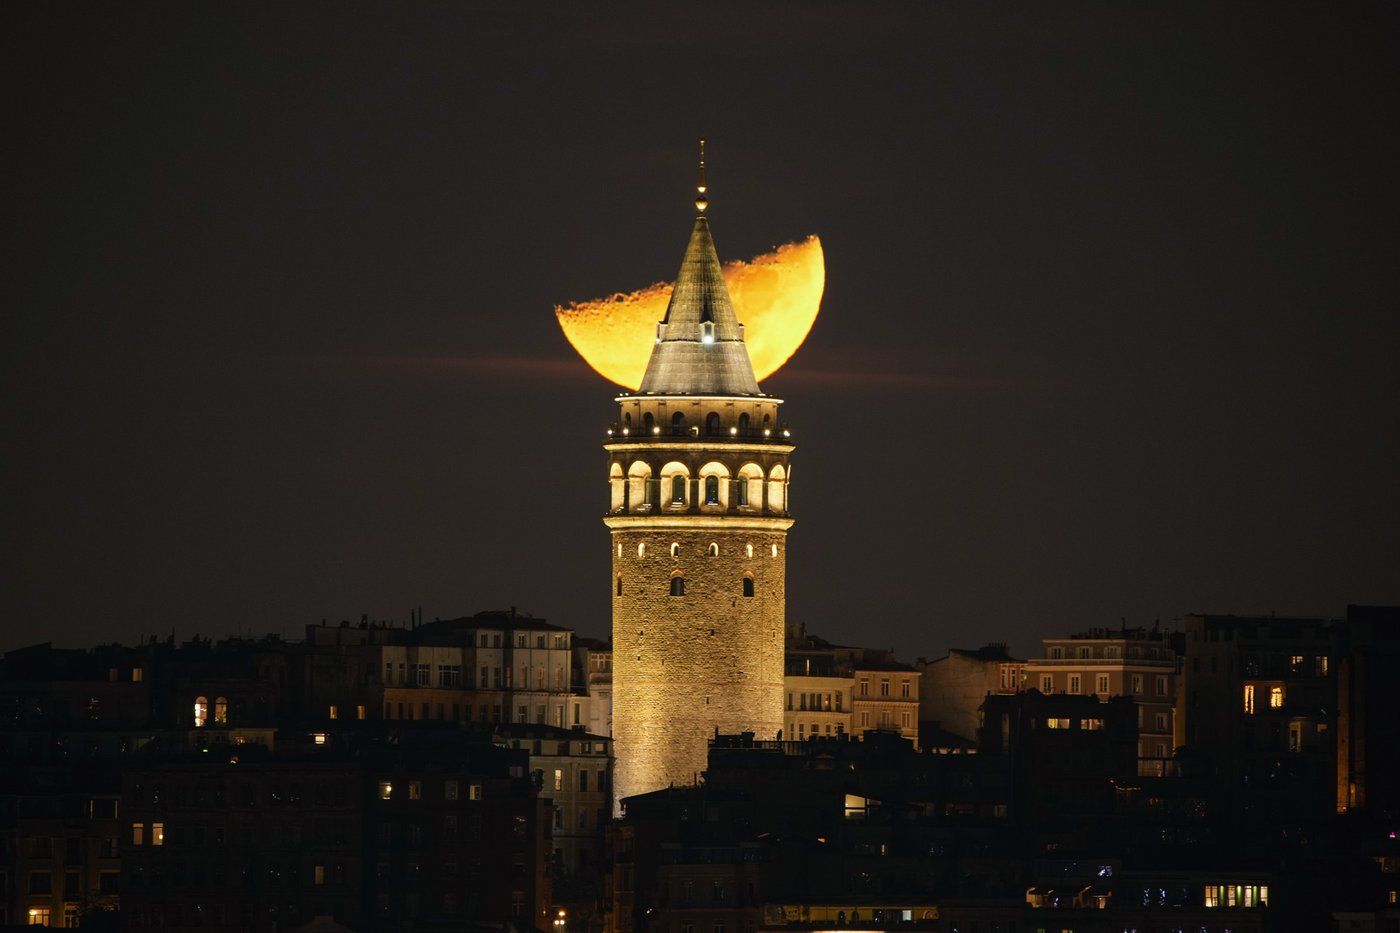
698 479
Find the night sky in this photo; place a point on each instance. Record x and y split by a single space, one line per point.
1110 328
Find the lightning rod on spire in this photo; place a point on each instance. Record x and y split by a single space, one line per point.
701 202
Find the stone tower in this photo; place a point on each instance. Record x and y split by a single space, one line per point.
698 470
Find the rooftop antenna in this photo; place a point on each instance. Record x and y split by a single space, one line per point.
701 202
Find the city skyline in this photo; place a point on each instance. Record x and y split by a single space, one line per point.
287 350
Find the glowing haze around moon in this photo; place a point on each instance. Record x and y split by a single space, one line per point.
776 297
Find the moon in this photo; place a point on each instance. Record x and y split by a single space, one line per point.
776 296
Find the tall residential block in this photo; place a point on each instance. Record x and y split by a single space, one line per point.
698 471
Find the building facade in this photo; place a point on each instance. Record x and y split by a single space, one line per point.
1138 663
951 688
698 474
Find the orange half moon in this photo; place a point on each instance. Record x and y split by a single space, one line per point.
776 296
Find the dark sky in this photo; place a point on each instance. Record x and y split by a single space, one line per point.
1110 327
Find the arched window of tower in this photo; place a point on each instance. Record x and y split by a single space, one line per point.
638 475
648 423
750 486
678 585
678 423
619 584
767 425
744 423
712 490
777 489
642 549
627 423
715 484
675 481
619 549
775 550
678 490
617 487
712 423
748 550
713 549
675 549
748 585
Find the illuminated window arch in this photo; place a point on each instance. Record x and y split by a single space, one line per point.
748 550
748 585
201 711
712 550
775 550
617 488
220 711
714 487
619 550
777 489
675 485
675 549
750 486
678 585
642 549
638 480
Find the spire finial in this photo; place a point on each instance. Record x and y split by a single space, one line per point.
701 202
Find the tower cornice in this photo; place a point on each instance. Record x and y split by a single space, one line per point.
690 521
715 443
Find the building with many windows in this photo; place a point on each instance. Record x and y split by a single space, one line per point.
1138 663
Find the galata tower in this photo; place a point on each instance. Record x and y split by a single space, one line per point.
698 471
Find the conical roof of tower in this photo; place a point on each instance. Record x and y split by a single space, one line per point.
699 345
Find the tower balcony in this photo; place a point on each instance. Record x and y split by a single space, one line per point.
781 435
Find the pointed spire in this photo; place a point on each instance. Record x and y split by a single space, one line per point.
700 343
701 201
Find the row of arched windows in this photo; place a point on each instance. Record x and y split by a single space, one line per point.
638 490
714 424
711 551
678 585
201 711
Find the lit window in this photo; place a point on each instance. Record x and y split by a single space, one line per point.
713 549
1295 663
675 549
1212 895
1091 725
775 550
1276 697
39 916
558 779
201 711
1322 665
748 549
138 834
386 790
137 674
157 834
360 711
319 738
415 790
318 874
221 711
1249 699
474 792
334 712
642 550
1057 723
